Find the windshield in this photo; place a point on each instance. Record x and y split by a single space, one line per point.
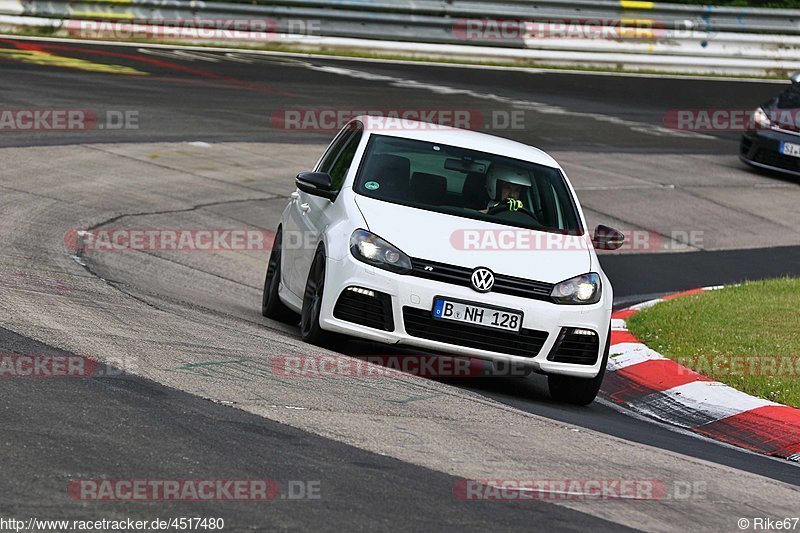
467 183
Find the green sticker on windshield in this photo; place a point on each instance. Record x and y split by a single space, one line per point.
372 185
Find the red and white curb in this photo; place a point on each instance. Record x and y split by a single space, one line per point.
650 384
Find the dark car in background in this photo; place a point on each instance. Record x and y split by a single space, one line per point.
773 140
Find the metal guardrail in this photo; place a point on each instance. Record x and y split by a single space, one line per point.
705 18
668 34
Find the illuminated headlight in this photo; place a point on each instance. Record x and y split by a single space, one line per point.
761 119
584 289
373 250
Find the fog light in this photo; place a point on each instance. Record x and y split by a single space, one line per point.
359 290
579 331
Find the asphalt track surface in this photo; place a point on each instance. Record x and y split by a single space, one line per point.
125 427
160 82
131 427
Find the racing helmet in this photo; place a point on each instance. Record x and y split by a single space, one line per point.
507 173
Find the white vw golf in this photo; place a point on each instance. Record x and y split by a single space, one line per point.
449 240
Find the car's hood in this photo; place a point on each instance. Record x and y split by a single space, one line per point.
471 243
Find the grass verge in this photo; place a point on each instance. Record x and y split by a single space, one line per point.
747 336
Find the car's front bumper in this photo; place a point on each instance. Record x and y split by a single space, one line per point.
418 294
761 149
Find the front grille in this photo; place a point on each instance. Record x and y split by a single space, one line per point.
574 348
457 275
358 306
775 159
420 323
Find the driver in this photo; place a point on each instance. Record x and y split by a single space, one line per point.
507 187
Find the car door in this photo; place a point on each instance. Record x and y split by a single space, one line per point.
310 214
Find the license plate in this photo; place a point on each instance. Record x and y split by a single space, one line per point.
790 149
477 314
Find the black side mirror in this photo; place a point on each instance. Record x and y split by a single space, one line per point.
316 183
795 77
606 238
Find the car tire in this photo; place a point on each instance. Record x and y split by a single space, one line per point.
271 304
578 391
310 330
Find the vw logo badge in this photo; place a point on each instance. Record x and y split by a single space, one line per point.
482 279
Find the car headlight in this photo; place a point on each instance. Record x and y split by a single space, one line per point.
584 289
373 250
761 118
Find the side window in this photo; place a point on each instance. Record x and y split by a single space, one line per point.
342 164
334 149
342 139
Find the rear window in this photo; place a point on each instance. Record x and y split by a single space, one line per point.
467 183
